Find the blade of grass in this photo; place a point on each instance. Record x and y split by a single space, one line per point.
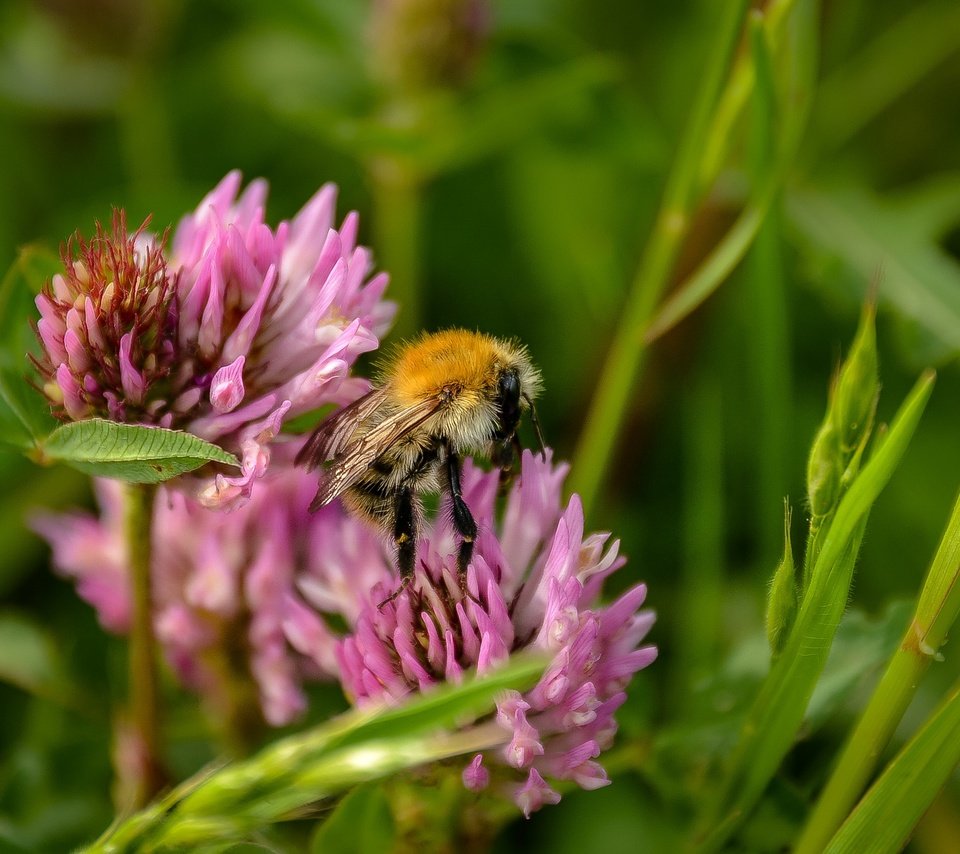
885 70
778 123
885 818
625 357
937 610
235 799
766 176
778 710
737 93
713 271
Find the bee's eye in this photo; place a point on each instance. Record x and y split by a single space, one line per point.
510 386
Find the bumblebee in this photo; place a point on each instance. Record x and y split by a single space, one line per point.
437 398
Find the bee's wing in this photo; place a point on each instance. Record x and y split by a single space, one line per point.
331 437
350 464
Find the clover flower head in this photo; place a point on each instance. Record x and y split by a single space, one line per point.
233 329
274 582
229 611
533 582
112 309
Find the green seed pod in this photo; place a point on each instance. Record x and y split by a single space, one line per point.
782 596
824 470
858 385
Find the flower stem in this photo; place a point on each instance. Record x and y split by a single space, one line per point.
147 773
626 355
771 724
885 818
936 611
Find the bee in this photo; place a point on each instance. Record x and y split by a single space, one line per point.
437 398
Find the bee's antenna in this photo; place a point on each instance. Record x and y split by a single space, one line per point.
536 427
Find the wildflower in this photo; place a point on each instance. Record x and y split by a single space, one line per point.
255 595
234 329
534 585
228 613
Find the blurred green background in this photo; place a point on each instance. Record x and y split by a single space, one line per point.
508 178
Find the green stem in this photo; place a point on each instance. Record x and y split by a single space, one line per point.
770 366
229 803
886 816
778 710
149 776
398 212
936 611
736 94
626 355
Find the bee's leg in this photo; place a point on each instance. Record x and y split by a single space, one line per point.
508 468
463 519
536 427
405 539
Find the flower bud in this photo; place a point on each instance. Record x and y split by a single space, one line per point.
839 444
858 386
824 469
103 324
782 595
424 44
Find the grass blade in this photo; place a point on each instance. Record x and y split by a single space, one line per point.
936 612
233 801
885 818
778 710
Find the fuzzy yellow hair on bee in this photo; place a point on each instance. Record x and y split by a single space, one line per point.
436 398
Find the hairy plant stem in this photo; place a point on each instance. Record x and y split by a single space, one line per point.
771 725
936 611
148 775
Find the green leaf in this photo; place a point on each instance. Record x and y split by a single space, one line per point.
130 452
919 279
361 822
27 657
778 711
24 412
356 747
860 649
779 119
30 660
885 818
